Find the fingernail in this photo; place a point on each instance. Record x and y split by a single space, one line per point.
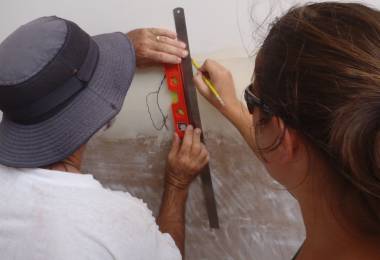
198 131
183 45
185 53
190 127
178 60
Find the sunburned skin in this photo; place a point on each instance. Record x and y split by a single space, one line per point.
71 164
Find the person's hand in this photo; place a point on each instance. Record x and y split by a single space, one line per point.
224 83
186 160
155 46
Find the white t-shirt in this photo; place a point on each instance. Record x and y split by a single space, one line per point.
56 215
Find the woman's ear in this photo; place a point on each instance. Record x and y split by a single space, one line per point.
286 160
288 143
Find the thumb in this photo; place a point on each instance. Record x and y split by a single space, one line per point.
201 85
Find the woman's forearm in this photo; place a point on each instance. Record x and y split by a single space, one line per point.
171 218
240 117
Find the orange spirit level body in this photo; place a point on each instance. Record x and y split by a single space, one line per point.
179 108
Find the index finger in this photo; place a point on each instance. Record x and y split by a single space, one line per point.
211 67
164 32
175 145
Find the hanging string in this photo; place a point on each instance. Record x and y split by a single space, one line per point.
164 117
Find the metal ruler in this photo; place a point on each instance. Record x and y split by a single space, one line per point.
185 109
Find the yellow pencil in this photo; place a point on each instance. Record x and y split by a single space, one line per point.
208 83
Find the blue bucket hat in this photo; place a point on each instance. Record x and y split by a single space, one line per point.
58 86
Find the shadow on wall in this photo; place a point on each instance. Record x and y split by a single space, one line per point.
133 120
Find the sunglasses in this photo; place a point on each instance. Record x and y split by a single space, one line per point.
253 101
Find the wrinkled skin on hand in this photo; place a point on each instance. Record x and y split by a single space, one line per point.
156 46
187 159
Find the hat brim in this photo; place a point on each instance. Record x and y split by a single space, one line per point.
50 141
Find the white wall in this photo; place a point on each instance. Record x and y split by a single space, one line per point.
221 29
212 23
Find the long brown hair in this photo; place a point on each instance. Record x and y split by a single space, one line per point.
319 71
